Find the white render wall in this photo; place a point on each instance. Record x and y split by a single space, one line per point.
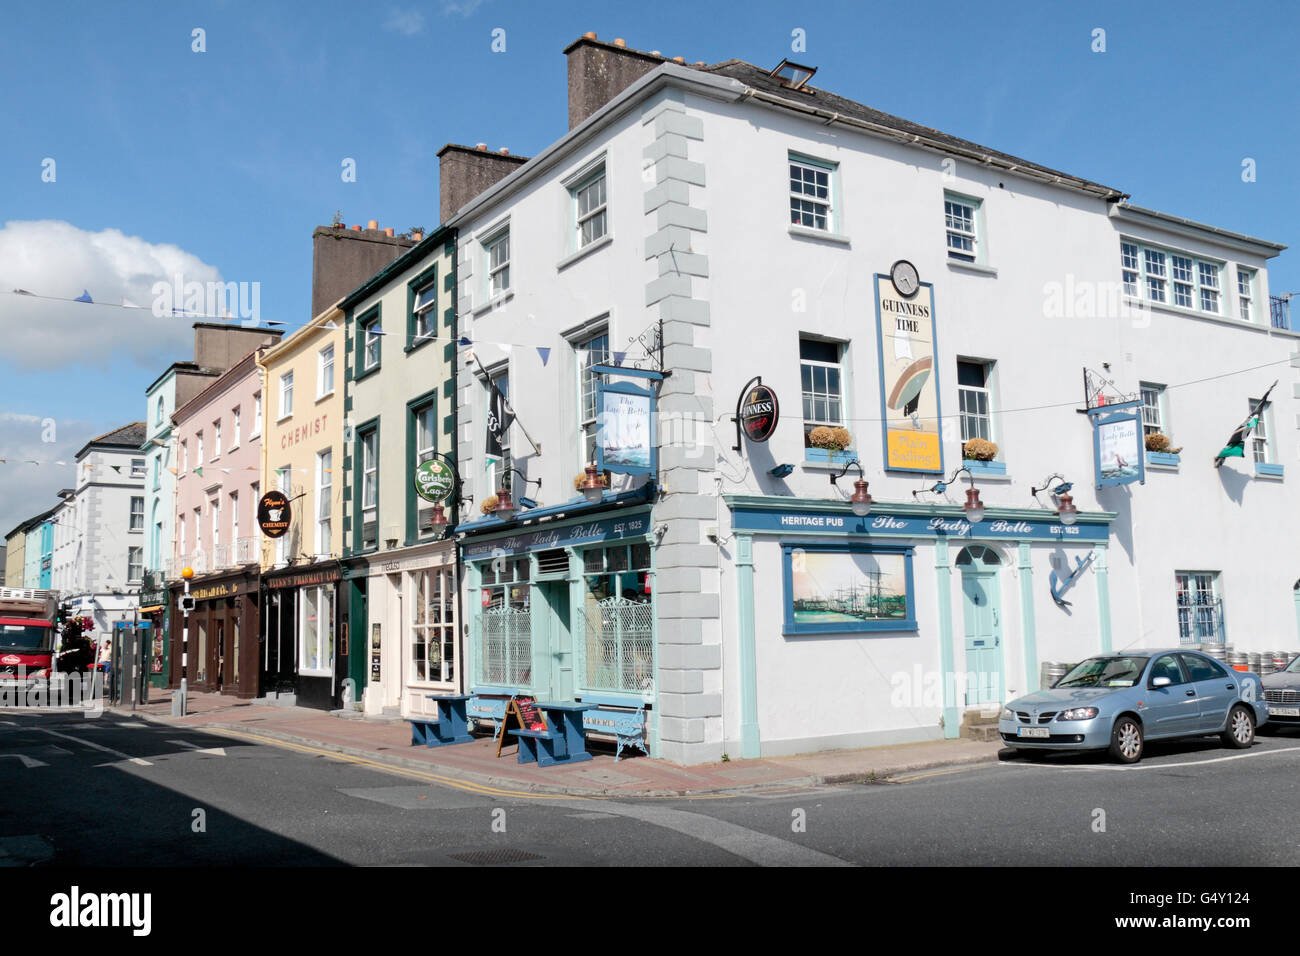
761 287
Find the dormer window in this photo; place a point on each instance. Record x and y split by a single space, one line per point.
793 75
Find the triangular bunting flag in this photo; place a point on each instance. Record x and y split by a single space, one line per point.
545 354
618 358
464 340
199 472
84 297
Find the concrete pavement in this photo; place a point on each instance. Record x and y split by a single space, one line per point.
389 743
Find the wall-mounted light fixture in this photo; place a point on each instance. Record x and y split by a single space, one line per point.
505 509
1065 509
593 489
781 471
974 507
861 500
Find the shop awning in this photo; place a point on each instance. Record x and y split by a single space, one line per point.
572 508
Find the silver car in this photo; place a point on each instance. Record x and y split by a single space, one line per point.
1117 702
1282 692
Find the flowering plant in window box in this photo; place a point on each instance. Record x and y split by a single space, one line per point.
830 438
1160 443
977 449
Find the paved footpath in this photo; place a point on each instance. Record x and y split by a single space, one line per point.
389 742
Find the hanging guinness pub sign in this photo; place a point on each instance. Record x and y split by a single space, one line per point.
757 411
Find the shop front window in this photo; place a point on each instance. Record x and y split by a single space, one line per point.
433 628
618 619
505 637
316 631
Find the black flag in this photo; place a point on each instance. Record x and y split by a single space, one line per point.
1236 446
499 418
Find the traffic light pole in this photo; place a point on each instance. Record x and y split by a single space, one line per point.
178 700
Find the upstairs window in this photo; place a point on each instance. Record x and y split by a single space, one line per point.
1155 263
1183 282
137 514
589 208
1209 287
974 400
257 415
1153 409
822 379
1260 448
497 251
597 353
810 193
286 395
234 427
216 440
959 219
137 468
370 489
1245 300
1170 277
371 333
425 310
325 371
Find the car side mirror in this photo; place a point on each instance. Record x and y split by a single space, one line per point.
1160 682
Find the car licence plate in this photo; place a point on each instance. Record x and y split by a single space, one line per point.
1033 732
1284 711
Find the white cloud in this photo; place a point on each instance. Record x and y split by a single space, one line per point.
27 490
462 7
54 258
406 22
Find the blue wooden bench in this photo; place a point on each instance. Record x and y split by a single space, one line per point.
449 728
563 740
627 727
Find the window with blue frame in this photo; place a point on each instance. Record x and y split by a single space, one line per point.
847 589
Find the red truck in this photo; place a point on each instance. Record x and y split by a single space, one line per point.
27 634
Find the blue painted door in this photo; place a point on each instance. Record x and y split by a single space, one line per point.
983 616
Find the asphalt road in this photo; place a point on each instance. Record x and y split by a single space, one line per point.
117 792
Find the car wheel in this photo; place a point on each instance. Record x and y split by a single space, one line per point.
1126 740
1239 732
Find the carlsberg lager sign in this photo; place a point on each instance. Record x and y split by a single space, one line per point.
434 480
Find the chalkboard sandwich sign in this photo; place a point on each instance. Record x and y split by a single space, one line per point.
521 713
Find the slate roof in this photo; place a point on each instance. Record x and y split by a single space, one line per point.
128 436
760 79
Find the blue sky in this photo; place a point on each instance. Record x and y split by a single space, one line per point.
233 155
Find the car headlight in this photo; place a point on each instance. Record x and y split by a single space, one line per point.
1079 713
1007 714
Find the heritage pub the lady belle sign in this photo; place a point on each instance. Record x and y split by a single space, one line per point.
909 391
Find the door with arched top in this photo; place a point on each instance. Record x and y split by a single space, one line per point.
982 613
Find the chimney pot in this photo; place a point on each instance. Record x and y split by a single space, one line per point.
389 232
503 151
589 35
700 63
680 59
655 53
481 147
417 236
373 224
356 228
619 41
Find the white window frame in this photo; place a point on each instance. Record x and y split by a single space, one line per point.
257 415
498 275
424 452
185 457
324 370
804 199
325 624
215 508
588 385
234 523
158 419
198 457
425 312
286 396
132 525
216 440
597 212
426 630
370 483
811 393
234 428
324 501
1261 442
1245 293
1158 274
1154 418
981 392
284 484
1198 583
138 468
180 521
954 203
135 563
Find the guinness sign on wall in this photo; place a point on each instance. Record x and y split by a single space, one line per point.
274 514
759 412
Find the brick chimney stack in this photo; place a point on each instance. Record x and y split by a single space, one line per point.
599 71
343 258
466 171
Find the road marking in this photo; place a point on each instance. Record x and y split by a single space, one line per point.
908 778
28 762
1158 766
139 761
214 751
751 845
483 789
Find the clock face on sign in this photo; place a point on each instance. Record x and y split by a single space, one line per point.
905 278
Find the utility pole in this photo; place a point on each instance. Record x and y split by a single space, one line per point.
187 605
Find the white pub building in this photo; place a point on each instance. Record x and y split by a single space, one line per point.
949 363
